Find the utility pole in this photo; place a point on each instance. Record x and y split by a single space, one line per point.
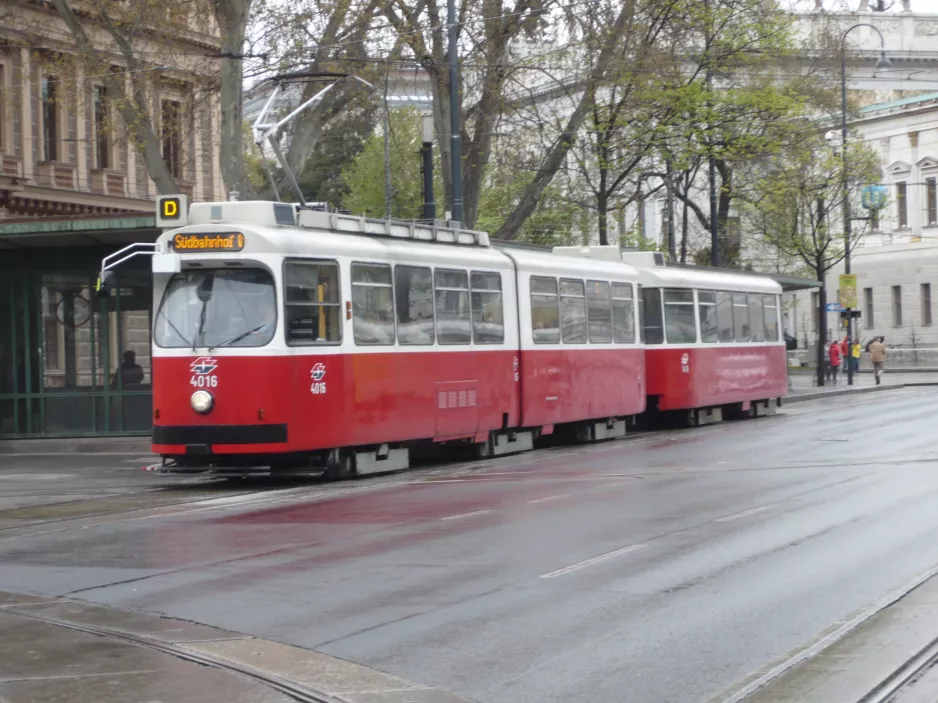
455 144
388 195
426 151
714 232
883 62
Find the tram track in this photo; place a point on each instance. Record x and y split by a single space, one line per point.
289 688
901 679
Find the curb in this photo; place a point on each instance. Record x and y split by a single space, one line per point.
804 397
89 445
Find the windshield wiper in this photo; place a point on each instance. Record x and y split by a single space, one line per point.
198 332
239 337
176 329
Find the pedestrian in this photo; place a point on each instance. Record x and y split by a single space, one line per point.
878 357
833 354
855 355
130 372
844 353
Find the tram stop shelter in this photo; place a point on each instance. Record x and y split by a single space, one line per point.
61 350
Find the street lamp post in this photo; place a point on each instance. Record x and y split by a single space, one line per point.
882 62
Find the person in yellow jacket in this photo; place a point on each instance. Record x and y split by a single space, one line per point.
855 352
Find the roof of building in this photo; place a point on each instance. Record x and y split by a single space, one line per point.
892 104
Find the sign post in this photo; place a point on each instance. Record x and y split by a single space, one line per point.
848 291
848 300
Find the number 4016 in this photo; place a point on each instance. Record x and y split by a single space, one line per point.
204 381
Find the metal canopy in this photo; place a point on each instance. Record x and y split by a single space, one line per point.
48 234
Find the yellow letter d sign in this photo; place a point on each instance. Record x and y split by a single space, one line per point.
171 211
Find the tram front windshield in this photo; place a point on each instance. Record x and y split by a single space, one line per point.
217 308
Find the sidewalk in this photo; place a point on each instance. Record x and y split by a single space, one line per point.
801 385
54 649
877 650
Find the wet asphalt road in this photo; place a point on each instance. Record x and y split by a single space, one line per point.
664 568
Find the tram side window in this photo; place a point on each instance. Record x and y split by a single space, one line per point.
488 321
651 302
680 326
372 304
599 312
770 310
572 311
453 319
707 313
725 316
756 317
413 292
623 313
312 302
545 310
741 329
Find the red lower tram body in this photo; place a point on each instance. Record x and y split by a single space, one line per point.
298 405
706 380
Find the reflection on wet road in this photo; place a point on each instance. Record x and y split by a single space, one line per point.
667 567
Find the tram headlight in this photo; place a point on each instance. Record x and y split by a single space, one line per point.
202 401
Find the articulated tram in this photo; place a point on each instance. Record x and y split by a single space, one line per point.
291 339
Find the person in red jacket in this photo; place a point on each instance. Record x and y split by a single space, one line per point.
835 356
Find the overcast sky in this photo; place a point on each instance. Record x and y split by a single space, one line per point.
929 6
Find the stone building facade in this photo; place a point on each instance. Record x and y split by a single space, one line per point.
74 188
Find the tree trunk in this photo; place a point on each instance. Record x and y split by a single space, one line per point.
684 225
442 123
730 248
640 201
602 206
822 322
232 17
557 152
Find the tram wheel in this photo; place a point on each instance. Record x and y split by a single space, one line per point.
340 466
484 450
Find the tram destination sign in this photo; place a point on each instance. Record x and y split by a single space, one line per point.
209 241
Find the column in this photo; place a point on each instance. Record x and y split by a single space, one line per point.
220 192
914 190
84 140
198 186
26 120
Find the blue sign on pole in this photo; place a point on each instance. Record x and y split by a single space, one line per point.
835 307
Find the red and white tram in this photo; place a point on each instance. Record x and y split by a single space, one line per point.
289 339
712 339
293 338
712 343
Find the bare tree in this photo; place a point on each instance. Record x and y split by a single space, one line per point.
324 40
487 30
623 126
556 154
